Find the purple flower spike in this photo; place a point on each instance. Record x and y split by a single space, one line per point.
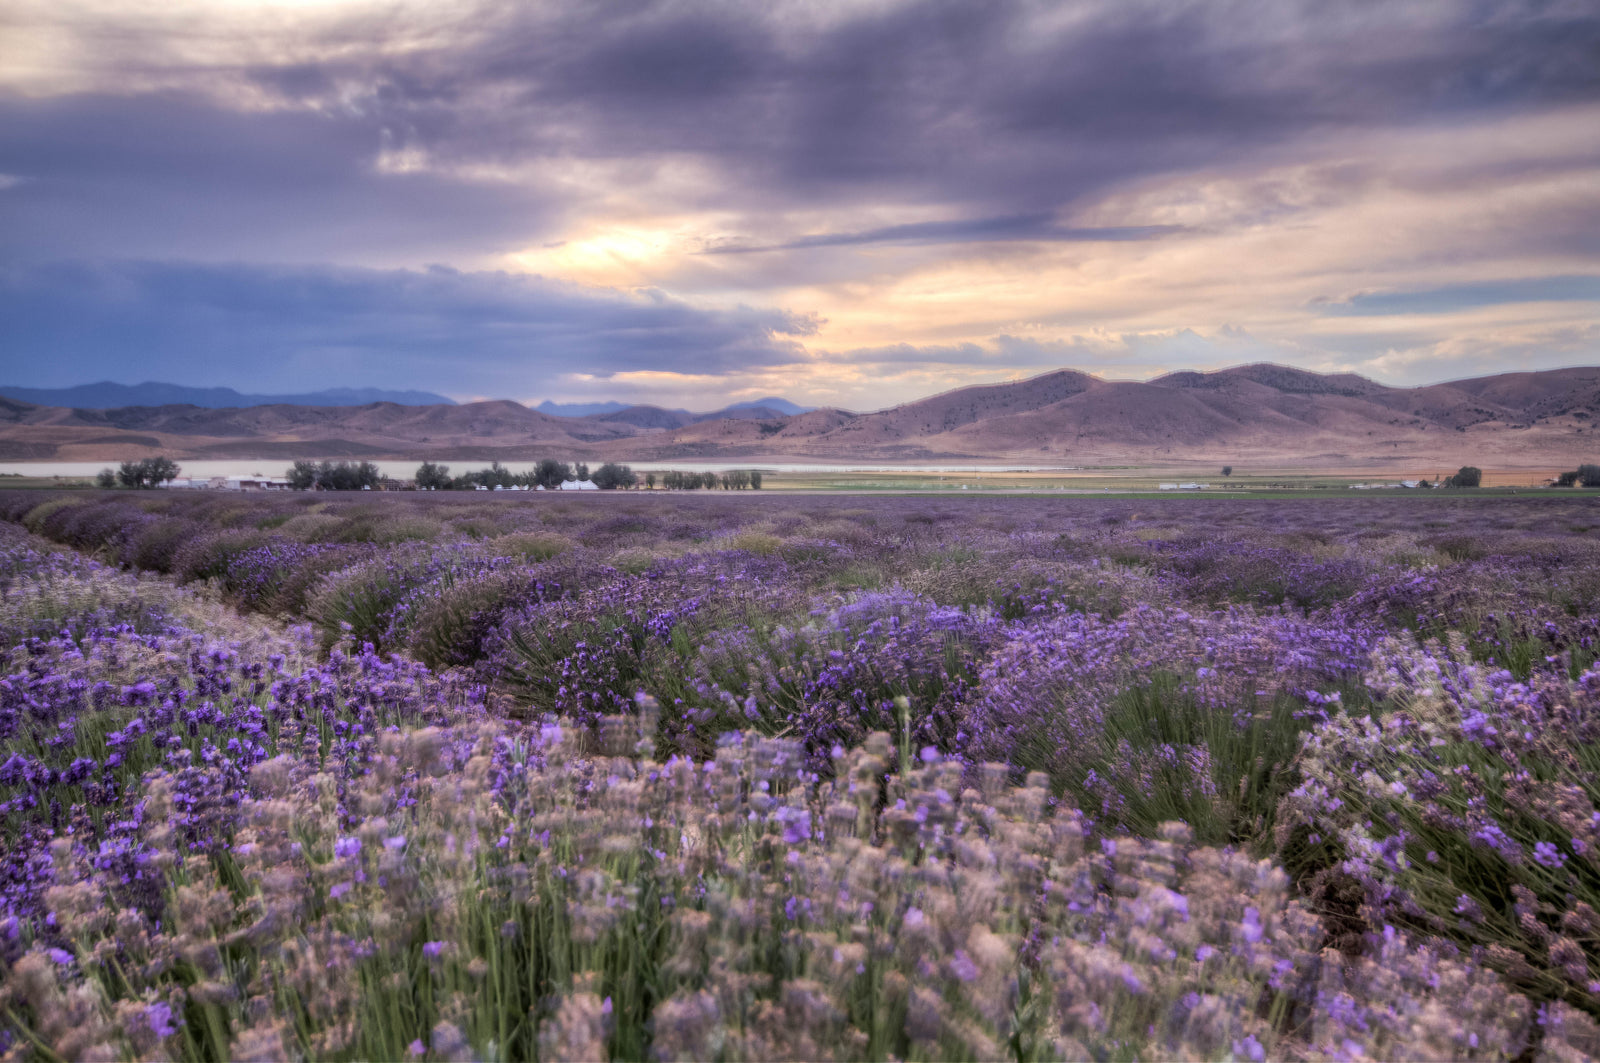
159 1016
1547 855
962 967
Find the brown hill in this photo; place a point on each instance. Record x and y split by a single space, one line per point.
1257 412
1262 414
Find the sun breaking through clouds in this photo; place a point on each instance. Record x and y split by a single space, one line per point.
849 203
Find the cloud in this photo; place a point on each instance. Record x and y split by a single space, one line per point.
994 116
1454 297
158 177
284 328
1035 227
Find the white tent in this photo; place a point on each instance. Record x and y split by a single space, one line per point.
579 485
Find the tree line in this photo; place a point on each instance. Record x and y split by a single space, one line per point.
1583 476
547 473
732 480
150 472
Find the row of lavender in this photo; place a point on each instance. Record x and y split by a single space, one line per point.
1145 708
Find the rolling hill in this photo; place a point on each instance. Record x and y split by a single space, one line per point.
1256 413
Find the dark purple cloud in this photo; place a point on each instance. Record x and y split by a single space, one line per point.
280 328
980 110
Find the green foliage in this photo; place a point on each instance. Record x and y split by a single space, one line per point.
150 472
495 476
431 477
611 476
355 603
333 476
550 474
1227 470
689 481
35 517
1467 476
210 556
449 627
105 478
532 546
1164 753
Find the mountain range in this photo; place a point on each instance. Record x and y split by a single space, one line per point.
106 396
758 408
1265 415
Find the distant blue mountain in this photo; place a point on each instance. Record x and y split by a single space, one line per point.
783 406
580 409
106 396
589 409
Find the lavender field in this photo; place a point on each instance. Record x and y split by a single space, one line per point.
749 777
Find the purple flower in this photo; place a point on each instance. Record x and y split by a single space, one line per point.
417 1048
159 1016
1250 926
339 890
434 949
796 825
1548 855
962 967
61 956
345 848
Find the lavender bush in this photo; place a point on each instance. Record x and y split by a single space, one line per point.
767 777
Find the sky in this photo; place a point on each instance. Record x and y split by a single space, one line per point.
850 203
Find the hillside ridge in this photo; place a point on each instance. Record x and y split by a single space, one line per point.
1254 412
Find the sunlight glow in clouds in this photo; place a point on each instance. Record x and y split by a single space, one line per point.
849 203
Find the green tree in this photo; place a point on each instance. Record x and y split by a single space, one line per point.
755 479
611 476
650 481
333 476
551 474
1589 475
105 478
302 475
431 477
1468 476
151 472
160 470
1227 470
